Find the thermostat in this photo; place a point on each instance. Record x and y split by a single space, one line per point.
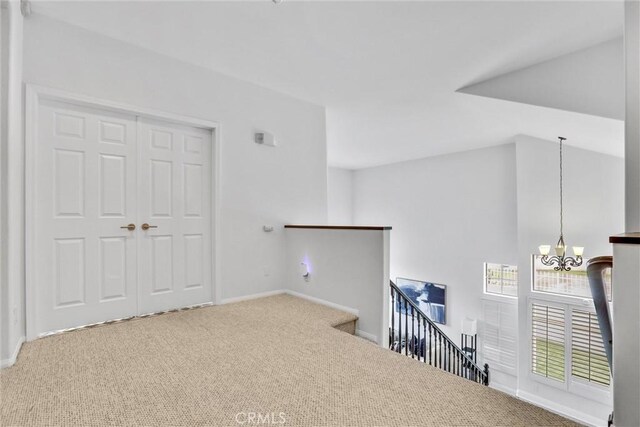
264 138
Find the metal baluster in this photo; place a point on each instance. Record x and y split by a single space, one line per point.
413 333
463 368
438 355
424 330
465 347
430 342
443 365
435 348
440 349
486 374
456 363
454 359
393 320
466 370
446 358
419 343
406 328
399 350
446 348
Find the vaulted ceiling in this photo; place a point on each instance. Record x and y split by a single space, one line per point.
400 79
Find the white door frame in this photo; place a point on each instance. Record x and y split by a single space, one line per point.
34 94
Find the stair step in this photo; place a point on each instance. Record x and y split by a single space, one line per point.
348 327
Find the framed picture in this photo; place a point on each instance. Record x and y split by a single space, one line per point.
430 297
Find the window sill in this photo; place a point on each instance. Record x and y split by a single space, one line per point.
500 298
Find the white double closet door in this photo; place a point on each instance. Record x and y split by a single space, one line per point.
97 172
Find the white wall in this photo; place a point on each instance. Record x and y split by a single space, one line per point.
593 211
449 215
632 115
340 196
259 185
348 268
12 242
3 186
626 272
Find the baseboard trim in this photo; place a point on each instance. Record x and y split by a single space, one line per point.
503 388
367 336
323 302
5 363
252 296
565 411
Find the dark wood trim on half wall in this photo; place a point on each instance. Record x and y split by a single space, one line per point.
629 238
339 227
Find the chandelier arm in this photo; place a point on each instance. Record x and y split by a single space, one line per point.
574 262
550 260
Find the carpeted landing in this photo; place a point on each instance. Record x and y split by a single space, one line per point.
270 361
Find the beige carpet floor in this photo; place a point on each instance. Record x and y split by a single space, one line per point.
277 357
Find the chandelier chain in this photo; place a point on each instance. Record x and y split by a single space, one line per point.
561 215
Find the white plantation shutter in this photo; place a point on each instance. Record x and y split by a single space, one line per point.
498 335
548 341
588 358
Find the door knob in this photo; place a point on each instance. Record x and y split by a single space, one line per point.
146 226
129 227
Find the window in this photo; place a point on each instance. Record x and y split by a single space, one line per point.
548 341
566 344
567 338
588 358
571 283
501 279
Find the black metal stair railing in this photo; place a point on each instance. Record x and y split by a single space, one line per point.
421 339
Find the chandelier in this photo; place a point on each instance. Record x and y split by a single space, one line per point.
560 261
